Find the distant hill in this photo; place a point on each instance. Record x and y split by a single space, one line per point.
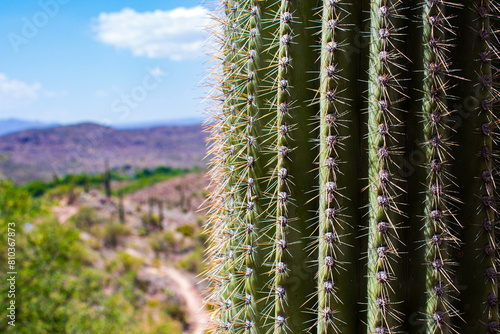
40 153
154 124
13 125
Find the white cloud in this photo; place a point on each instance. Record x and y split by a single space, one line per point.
18 89
176 34
14 93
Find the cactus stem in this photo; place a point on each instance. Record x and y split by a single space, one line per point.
385 191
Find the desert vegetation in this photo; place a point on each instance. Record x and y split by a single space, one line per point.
82 269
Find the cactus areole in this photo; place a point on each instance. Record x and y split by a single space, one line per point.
354 162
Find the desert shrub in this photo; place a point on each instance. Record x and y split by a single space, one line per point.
124 262
187 230
113 231
193 261
68 191
163 242
86 218
59 291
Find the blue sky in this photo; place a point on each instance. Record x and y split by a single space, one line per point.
113 61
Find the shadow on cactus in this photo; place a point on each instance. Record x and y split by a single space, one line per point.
318 224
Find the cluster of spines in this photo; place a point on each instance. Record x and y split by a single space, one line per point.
226 220
439 216
231 134
280 190
251 321
487 123
385 117
331 225
237 141
216 211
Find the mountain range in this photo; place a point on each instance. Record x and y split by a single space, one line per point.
13 125
44 151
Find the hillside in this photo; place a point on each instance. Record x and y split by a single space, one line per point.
41 153
108 264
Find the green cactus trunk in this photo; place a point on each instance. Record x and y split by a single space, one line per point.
354 167
121 209
106 180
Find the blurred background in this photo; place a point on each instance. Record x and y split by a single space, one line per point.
101 164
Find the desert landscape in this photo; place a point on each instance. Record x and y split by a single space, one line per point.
41 153
135 225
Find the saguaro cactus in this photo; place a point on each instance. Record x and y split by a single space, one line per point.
354 167
106 180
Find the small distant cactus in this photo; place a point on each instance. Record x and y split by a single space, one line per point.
121 209
183 201
106 180
354 166
160 214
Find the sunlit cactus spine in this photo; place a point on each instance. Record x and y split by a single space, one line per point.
353 151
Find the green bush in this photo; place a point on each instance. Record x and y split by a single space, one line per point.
58 290
61 191
141 179
193 261
173 308
187 230
162 242
124 262
37 188
86 218
146 177
112 232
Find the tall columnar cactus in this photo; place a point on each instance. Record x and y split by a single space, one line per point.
106 179
354 150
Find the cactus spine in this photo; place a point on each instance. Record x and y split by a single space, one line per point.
337 125
317 224
440 232
385 137
480 192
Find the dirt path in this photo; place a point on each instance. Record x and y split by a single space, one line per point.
181 282
186 289
63 213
